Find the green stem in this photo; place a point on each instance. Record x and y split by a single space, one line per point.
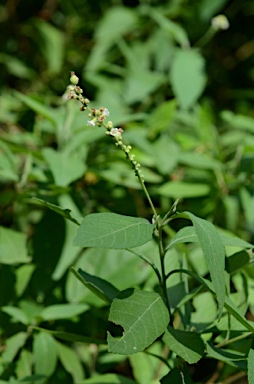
163 272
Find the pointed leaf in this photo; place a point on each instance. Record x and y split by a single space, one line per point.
234 358
70 362
66 213
45 354
214 253
188 345
13 345
100 287
143 316
108 378
110 230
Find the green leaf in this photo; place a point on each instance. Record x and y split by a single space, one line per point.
65 168
188 345
187 76
108 378
66 213
140 84
16 313
188 235
251 365
62 311
241 122
214 253
70 362
69 253
166 154
234 358
110 230
100 287
23 276
52 44
181 189
143 316
13 345
71 336
8 164
45 354
175 376
12 247
237 261
47 112
33 378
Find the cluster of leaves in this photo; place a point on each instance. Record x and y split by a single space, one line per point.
55 170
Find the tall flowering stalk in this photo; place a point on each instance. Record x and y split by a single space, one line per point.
97 118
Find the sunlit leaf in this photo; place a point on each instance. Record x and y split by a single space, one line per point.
110 230
143 316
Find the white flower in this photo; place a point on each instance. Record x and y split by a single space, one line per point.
91 123
106 112
220 22
115 132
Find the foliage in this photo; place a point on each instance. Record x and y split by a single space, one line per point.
110 274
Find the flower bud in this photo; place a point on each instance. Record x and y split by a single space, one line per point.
74 79
220 22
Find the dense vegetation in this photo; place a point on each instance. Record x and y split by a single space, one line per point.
181 88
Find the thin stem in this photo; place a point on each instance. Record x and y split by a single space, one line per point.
149 262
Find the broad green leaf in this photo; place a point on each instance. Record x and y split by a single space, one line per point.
45 354
247 200
234 358
65 168
214 253
37 107
110 230
52 46
16 313
62 311
71 336
251 365
140 84
12 247
143 316
70 361
187 76
188 345
108 378
181 189
66 213
13 345
100 287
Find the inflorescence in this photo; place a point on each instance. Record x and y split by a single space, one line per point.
97 118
